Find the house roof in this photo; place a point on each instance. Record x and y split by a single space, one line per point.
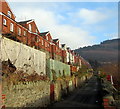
9 7
24 22
72 51
55 40
44 33
63 45
68 48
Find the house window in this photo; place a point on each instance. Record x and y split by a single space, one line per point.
11 27
45 44
19 31
4 22
9 13
42 42
24 33
48 45
38 40
30 27
47 37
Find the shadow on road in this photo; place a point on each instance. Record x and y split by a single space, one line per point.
89 96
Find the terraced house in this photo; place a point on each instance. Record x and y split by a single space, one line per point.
27 32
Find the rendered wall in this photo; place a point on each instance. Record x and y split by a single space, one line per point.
58 67
23 57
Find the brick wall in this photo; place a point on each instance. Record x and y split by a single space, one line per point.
5 8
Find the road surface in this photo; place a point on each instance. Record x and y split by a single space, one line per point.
89 96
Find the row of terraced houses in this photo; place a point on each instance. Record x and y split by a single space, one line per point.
26 32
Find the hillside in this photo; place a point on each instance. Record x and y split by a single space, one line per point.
106 51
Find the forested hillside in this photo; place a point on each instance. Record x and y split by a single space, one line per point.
106 51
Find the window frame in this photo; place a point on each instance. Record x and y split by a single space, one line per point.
42 42
9 14
11 27
46 44
4 22
19 31
30 27
24 33
46 37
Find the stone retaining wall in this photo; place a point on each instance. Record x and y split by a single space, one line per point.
62 85
22 56
57 68
37 94
29 94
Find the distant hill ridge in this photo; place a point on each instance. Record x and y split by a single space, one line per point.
106 51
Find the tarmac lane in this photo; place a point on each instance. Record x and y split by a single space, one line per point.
89 96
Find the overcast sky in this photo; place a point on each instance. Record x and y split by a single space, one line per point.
76 24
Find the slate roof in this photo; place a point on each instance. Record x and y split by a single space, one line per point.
55 40
68 48
24 22
44 33
63 45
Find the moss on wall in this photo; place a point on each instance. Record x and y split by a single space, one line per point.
58 69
